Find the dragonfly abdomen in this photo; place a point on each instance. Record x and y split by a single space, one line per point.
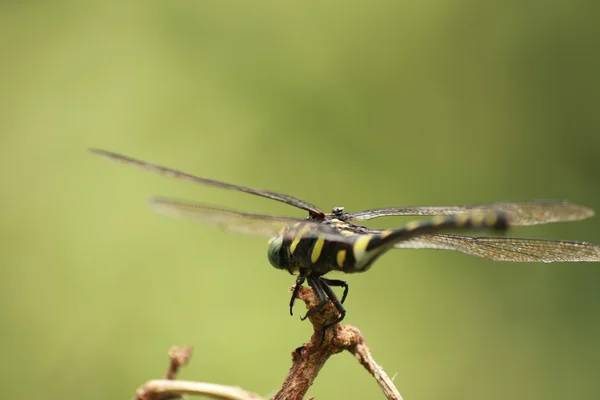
475 220
370 247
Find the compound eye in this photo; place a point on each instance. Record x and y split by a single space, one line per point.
274 252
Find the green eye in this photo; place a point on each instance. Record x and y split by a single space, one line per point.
274 252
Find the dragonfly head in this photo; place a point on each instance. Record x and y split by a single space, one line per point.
275 252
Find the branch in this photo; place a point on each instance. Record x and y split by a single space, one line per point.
162 389
307 361
179 356
362 352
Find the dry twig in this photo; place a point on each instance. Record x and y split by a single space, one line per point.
307 361
179 356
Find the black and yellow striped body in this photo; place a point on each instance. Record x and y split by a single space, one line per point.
353 248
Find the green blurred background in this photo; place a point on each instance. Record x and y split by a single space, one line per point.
360 104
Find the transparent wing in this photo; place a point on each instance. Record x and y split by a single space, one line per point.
284 198
506 248
519 213
239 222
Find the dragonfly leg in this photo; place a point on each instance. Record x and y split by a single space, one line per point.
317 286
336 302
299 281
338 283
338 305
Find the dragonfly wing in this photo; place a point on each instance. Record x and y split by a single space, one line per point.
506 248
239 222
519 213
284 198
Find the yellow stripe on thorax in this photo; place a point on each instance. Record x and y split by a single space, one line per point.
340 258
298 237
316 251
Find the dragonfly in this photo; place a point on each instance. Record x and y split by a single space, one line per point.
325 242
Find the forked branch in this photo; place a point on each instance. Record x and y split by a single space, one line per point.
307 361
